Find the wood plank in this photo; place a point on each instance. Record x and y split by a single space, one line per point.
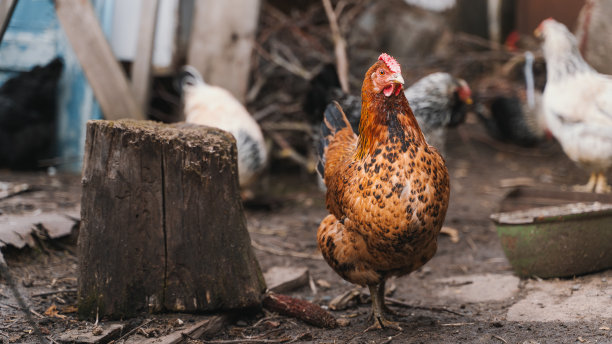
141 70
222 39
6 11
103 72
16 230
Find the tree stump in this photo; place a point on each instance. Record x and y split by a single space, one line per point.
162 224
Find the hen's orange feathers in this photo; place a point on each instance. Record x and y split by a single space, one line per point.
387 189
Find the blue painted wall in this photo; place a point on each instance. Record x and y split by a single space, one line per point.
34 36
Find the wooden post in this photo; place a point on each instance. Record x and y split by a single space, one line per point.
162 225
141 71
222 38
103 72
6 12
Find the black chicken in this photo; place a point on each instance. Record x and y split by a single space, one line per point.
28 111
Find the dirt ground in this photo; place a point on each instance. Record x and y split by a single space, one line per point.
466 294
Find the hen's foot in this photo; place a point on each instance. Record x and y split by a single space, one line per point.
602 184
380 323
589 186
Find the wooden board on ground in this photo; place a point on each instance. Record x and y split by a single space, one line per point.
162 224
18 230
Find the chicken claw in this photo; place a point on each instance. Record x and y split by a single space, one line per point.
602 184
589 186
380 323
378 307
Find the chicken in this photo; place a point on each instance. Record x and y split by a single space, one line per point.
512 112
28 115
438 100
215 107
577 105
387 189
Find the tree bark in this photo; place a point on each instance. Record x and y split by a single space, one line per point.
162 225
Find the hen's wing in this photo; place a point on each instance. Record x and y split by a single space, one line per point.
336 147
587 99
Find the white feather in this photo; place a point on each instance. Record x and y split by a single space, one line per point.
215 107
577 101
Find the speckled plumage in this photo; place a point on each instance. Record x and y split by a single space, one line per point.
387 191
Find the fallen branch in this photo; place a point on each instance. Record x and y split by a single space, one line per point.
279 252
427 308
288 152
500 338
257 340
339 46
132 330
300 309
54 292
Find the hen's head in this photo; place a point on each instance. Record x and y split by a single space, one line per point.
557 38
463 91
385 76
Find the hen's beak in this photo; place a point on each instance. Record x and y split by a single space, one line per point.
537 32
468 101
397 78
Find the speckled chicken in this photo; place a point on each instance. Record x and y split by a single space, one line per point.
577 105
387 189
215 107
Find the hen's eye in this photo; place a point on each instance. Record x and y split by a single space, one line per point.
381 72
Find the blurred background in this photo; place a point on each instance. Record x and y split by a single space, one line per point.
265 52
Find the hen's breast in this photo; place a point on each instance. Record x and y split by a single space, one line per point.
397 201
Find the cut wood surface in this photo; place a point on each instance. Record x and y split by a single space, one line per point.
162 223
103 72
222 39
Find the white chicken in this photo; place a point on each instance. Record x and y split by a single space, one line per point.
577 105
215 107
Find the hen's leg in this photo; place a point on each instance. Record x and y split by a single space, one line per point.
381 296
377 309
589 186
602 184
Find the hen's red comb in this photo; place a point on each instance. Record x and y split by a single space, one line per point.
390 62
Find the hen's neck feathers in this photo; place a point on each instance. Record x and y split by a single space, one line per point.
385 118
563 58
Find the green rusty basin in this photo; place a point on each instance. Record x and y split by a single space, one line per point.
557 241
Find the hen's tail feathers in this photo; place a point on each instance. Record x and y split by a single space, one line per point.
189 76
334 119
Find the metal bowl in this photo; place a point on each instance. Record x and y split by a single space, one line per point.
556 241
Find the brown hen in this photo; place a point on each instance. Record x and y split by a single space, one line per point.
387 189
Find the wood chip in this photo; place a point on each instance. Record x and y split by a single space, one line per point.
458 324
323 284
452 233
92 335
514 182
342 301
282 279
11 189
